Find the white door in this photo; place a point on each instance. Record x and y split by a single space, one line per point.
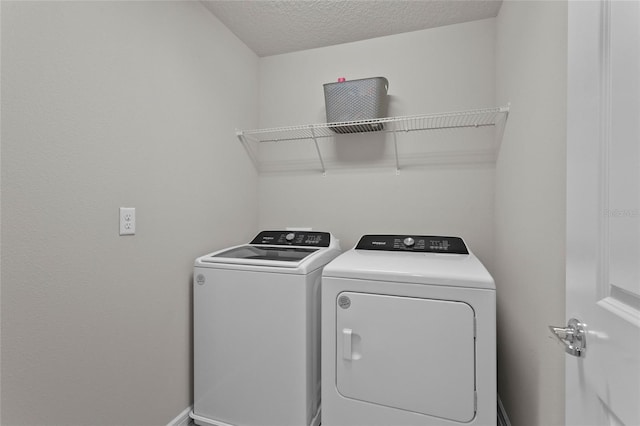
407 353
603 211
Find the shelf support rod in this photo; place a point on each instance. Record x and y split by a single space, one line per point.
395 146
245 144
315 141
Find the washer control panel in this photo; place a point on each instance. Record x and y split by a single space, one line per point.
415 243
293 238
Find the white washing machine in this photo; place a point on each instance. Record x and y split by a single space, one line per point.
257 330
408 335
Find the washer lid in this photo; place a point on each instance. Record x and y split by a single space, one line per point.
280 254
299 250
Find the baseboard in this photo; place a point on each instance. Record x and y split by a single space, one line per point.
182 419
503 419
205 421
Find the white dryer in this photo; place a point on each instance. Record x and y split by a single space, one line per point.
408 335
257 330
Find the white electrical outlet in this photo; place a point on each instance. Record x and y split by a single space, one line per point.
127 220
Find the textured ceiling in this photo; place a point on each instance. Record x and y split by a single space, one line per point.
271 27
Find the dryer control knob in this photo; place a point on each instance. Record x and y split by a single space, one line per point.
409 242
290 236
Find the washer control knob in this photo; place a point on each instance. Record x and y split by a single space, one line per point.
409 242
290 236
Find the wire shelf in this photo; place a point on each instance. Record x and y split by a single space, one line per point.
450 120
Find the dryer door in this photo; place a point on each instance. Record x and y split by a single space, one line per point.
407 353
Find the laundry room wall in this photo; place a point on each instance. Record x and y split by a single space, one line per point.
437 191
531 73
108 105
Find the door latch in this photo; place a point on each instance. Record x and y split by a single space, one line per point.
573 336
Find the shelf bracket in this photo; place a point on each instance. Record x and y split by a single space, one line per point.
395 147
315 141
247 147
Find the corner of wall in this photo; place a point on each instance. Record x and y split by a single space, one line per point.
531 46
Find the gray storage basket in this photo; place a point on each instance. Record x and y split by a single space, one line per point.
356 100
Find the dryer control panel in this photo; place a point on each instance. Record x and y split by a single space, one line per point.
293 238
415 243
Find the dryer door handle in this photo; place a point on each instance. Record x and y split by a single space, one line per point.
346 344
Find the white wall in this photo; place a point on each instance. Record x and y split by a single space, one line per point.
109 104
134 104
531 51
438 70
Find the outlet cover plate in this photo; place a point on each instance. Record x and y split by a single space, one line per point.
127 220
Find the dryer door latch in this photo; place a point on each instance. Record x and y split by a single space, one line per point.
346 344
